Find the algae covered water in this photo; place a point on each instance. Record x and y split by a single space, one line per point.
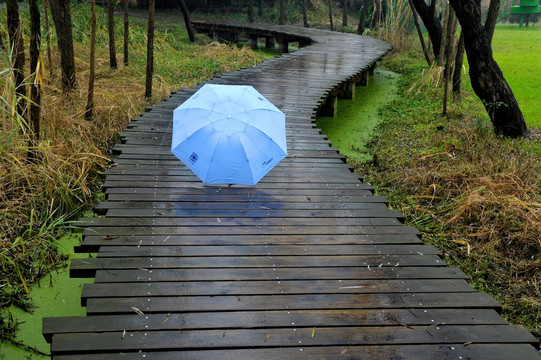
356 120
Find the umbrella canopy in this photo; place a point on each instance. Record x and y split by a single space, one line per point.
229 134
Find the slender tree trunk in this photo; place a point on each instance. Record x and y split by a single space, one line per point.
457 73
365 4
260 8
187 21
61 13
150 50
48 37
431 22
89 111
420 33
304 14
111 28
126 33
449 56
492 18
377 18
35 90
486 76
330 15
345 14
251 11
2 46
209 6
446 24
282 12
17 48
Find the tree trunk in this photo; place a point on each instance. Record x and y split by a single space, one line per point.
446 30
431 22
420 33
449 56
60 11
365 4
187 21
35 90
111 28
330 15
457 73
486 77
89 111
251 11
492 18
17 48
282 12
304 14
48 37
126 33
260 8
345 14
150 50
2 46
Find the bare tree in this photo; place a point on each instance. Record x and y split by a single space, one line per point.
365 5
345 14
431 22
457 73
187 21
330 15
111 28
89 110
126 32
486 76
17 48
48 36
150 50
35 89
304 13
492 18
61 13
420 33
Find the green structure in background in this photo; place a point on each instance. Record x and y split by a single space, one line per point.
525 9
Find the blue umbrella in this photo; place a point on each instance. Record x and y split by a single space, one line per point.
229 134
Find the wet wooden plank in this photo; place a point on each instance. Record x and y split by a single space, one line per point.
447 351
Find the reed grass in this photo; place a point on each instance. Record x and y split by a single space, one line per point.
39 198
474 195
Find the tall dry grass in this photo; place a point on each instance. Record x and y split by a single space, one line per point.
397 24
37 199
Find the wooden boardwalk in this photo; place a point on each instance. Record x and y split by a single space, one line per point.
308 264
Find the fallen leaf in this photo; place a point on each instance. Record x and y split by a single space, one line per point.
313 332
344 351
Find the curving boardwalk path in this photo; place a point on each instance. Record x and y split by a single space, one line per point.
308 264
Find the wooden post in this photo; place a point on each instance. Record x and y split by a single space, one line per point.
252 41
283 45
329 107
270 42
364 78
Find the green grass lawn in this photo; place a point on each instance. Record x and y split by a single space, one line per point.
518 52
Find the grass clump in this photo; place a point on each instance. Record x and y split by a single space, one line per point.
474 195
39 198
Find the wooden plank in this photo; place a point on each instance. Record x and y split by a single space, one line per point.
299 337
271 319
164 304
82 267
266 250
243 274
447 351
